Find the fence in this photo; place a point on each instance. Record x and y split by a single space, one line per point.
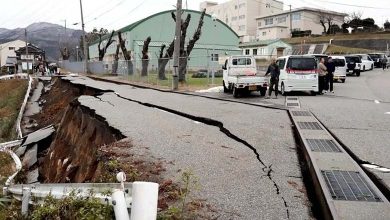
199 71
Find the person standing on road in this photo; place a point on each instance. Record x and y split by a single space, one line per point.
273 69
330 68
321 76
384 62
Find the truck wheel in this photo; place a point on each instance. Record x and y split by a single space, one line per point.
225 90
282 91
263 91
343 80
235 91
313 93
372 66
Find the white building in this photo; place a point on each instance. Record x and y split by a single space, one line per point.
240 15
8 50
266 49
301 19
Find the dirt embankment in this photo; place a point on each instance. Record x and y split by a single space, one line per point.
72 156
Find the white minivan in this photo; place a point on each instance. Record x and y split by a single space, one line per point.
298 73
340 72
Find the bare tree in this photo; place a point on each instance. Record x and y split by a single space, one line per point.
102 51
116 58
145 57
325 20
126 54
184 52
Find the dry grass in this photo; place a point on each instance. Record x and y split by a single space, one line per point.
334 49
12 93
325 39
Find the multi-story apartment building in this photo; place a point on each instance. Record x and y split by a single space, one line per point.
240 15
281 25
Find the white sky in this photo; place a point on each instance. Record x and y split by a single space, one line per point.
114 14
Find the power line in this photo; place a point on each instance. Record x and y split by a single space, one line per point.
357 6
105 12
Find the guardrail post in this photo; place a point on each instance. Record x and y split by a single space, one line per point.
119 203
144 201
25 200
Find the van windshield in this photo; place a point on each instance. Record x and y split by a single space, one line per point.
352 59
302 63
376 56
339 62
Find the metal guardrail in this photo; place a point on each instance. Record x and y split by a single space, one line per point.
19 119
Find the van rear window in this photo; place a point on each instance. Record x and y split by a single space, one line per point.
353 59
302 64
241 61
339 62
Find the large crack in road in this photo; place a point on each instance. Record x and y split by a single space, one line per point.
211 122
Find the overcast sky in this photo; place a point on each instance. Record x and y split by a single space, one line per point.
114 14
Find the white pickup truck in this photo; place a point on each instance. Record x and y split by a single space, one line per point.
240 75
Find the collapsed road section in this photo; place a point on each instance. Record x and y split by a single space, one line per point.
244 158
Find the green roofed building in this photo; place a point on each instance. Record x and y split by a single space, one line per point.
216 42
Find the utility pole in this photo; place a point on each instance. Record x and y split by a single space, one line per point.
25 34
290 22
84 41
176 54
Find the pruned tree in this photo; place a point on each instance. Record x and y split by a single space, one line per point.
386 25
102 51
145 57
116 58
184 52
126 54
65 53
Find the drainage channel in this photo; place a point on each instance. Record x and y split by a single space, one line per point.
344 190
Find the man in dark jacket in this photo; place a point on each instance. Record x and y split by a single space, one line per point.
273 69
330 67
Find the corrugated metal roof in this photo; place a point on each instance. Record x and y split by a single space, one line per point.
261 43
197 46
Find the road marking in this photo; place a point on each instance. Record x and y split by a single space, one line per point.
377 102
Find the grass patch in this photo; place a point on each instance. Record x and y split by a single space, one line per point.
334 49
326 38
7 167
12 93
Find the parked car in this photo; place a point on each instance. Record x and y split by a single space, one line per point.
377 58
340 72
354 64
367 62
298 73
240 75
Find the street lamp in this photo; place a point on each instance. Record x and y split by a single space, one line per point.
77 53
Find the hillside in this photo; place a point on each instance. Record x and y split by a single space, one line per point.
46 36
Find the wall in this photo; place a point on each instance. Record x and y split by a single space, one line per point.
5 52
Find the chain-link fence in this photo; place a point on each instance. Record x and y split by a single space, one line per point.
199 72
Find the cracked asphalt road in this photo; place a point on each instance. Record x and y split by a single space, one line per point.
218 141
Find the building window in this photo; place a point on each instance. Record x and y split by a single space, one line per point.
264 33
235 7
234 18
269 21
254 51
259 24
241 28
247 52
241 17
296 29
262 51
281 20
11 48
296 16
241 5
215 57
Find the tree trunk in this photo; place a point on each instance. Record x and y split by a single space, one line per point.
145 57
116 58
162 63
102 51
126 54
183 68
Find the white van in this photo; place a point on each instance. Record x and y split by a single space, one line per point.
367 62
240 75
340 72
298 73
